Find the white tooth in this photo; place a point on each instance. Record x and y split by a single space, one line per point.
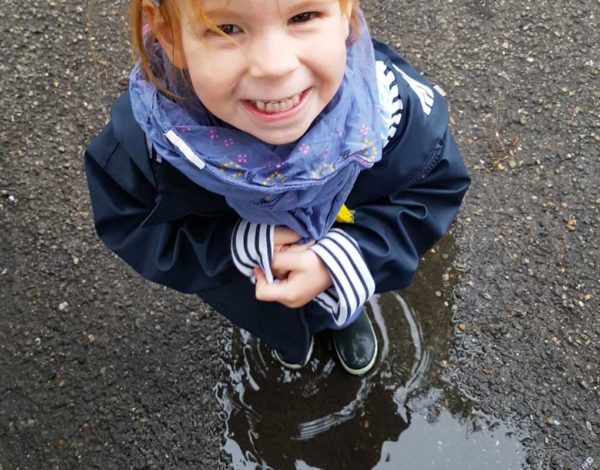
277 106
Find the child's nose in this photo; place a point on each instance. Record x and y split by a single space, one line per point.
273 56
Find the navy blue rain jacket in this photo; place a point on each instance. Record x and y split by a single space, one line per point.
178 234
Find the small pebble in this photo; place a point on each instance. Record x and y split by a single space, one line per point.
571 224
550 421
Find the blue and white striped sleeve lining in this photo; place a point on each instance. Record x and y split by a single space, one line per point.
390 103
353 284
252 245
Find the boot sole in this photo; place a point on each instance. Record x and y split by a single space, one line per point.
292 366
363 370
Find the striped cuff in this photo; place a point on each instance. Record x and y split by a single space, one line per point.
252 245
352 281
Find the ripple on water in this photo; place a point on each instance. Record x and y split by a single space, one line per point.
400 415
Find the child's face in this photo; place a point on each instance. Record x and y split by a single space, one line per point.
286 64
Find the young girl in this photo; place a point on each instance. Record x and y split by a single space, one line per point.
273 159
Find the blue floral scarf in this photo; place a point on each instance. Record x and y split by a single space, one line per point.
301 185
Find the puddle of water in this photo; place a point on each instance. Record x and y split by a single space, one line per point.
400 415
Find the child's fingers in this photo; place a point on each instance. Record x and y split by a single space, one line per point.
259 275
274 292
288 260
297 247
285 236
280 275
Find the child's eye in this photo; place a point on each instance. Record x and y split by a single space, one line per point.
229 29
303 17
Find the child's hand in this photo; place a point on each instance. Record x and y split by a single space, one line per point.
306 278
285 239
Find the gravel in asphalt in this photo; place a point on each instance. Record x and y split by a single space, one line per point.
100 369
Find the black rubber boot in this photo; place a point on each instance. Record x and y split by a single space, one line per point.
356 345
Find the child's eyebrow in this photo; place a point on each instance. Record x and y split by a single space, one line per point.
306 4
226 10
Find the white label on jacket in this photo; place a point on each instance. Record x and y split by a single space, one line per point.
424 93
185 149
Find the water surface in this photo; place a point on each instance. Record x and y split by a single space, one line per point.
403 414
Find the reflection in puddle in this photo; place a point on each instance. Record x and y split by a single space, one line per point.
400 415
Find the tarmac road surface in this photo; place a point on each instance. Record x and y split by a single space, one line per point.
87 348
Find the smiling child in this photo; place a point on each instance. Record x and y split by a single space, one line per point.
274 160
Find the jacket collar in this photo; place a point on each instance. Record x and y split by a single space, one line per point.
130 135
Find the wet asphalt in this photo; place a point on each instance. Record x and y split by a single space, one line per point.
100 369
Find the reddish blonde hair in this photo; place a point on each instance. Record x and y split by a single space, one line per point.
142 38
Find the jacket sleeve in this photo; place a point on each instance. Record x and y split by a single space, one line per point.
188 253
394 224
393 232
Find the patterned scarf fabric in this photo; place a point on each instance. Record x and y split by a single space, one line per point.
301 185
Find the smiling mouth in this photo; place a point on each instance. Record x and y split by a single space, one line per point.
276 107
